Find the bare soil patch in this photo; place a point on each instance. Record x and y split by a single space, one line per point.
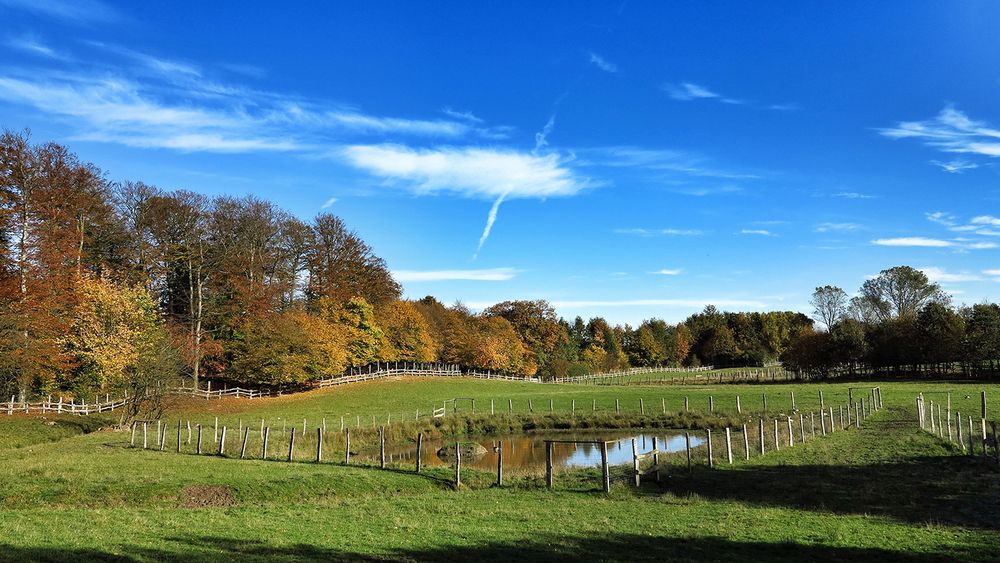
206 496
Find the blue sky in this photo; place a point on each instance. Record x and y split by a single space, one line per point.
624 159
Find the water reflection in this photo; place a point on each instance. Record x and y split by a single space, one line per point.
527 452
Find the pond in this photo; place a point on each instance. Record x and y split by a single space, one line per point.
526 452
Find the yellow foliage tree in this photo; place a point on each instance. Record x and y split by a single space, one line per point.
113 326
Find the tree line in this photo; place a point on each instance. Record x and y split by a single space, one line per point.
105 286
899 322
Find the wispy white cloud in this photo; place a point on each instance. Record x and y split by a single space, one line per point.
72 11
836 227
688 91
328 203
926 242
914 241
759 232
668 272
659 232
176 108
488 274
463 115
951 131
31 44
602 63
469 171
658 160
937 275
955 166
852 195
983 225
993 273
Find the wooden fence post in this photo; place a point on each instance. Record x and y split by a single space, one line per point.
199 439
761 429
263 448
510 406
189 432
746 443
291 445
319 445
792 395
144 435
458 464
812 423
958 425
763 398
711 461
777 442
420 444
617 407
791 441
381 447
663 405
857 416
222 443
822 421
491 407
635 462
243 448
347 446
215 436
178 436
739 409
687 444
686 408
606 471
802 428
729 446
656 460
711 404
500 463
982 422
548 463
163 437
642 407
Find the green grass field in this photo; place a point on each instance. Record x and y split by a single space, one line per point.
887 490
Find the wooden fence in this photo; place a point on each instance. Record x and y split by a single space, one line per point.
50 406
768 434
932 418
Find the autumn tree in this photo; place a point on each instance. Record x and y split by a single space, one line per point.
538 328
407 334
342 266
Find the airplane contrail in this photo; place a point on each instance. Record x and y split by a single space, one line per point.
541 142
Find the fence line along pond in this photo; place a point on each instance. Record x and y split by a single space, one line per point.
526 452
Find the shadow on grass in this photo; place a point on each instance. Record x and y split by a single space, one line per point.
940 490
611 547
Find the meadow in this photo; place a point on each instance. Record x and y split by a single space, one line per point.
886 490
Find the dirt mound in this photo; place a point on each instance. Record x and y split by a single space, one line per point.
205 496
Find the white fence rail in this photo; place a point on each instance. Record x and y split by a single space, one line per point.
49 406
